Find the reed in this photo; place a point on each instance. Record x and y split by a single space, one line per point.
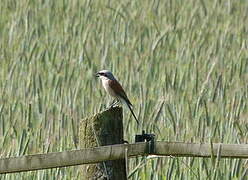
183 65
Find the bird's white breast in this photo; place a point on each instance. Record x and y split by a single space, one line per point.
109 90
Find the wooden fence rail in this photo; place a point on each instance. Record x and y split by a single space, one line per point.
113 152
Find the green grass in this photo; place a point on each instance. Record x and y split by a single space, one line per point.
184 65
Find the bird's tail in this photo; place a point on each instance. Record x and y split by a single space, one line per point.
129 105
130 108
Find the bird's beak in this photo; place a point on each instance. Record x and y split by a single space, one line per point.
97 75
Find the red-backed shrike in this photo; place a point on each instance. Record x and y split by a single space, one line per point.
113 88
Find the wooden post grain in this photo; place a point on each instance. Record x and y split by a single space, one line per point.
105 128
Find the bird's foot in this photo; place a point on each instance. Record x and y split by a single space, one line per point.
115 103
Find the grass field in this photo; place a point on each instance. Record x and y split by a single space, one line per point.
184 65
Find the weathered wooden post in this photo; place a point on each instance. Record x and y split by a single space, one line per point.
104 128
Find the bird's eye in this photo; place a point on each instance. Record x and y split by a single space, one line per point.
103 74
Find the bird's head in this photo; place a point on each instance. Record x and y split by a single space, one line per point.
105 75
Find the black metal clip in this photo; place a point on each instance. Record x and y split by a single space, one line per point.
150 138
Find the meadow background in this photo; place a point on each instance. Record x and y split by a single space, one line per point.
184 65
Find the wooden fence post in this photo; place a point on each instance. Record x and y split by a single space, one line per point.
104 128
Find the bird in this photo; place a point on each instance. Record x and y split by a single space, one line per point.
114 89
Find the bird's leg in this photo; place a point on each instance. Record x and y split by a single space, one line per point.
114 103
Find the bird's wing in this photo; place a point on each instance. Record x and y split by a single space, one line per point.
116 87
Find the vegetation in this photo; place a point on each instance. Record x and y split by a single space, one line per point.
184 65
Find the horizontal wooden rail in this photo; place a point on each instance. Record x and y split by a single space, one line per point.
113 152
